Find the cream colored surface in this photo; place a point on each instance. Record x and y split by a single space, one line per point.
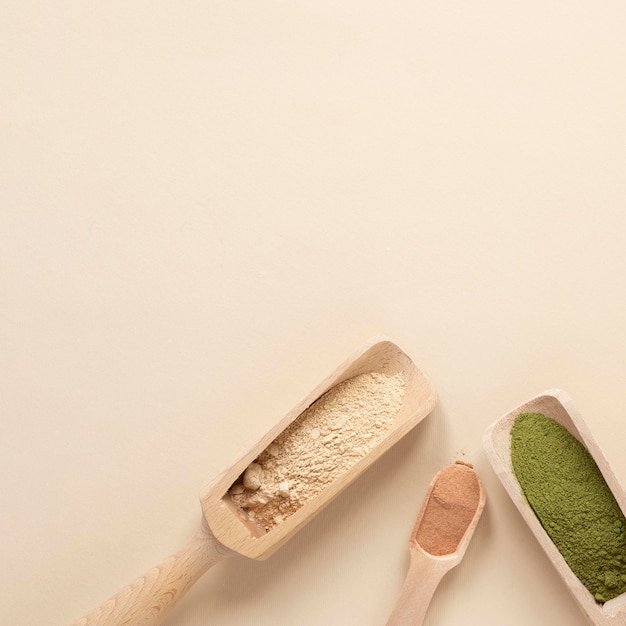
204 207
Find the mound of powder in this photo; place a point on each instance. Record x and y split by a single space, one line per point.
450 509
320 445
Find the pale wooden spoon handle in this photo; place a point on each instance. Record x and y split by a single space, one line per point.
425 573
146 601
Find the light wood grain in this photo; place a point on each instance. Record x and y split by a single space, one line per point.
426 570
557 405
225 529
148 599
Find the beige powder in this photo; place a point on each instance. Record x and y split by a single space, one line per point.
323 442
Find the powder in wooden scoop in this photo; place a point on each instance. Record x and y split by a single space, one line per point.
323 443
449 509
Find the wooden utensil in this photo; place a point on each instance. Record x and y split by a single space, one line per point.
226 530
442 532
557 405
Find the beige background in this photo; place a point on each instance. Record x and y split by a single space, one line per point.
206 206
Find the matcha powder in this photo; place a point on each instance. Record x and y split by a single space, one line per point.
574 504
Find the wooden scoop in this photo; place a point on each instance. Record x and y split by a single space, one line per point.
557 405
445 524
226 530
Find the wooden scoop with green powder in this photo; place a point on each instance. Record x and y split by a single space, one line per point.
561 483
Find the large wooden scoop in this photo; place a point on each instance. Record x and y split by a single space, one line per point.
557 405
226 529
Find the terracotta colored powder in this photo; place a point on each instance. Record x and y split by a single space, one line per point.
449 510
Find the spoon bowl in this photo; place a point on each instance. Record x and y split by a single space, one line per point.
557 405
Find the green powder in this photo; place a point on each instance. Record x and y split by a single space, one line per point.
574 504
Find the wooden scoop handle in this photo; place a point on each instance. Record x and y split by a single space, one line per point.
146 601
425 573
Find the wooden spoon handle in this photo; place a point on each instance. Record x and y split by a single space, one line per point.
425 572
146 601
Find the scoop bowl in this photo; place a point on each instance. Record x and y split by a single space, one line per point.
557 405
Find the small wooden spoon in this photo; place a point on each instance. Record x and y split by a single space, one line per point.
557 405
445 524
226 530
